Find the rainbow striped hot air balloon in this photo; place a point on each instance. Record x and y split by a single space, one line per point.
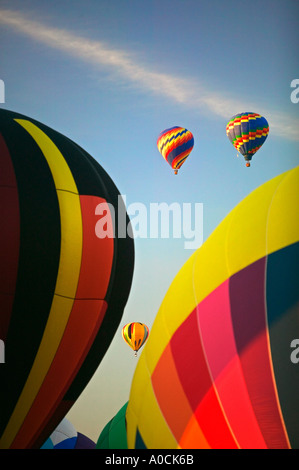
62 288
135 335
247 132
175 145
219 369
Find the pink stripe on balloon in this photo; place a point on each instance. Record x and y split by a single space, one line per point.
247 290
214 316
190 362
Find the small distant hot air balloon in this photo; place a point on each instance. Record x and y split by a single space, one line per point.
247 132
135 335
175 145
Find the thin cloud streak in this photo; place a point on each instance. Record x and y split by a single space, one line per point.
183 91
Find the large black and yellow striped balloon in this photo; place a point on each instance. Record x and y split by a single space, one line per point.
63 286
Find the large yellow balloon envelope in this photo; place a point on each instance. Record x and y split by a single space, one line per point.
135 335
219 369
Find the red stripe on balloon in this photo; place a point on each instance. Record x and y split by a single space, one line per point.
248 311
97 256
170 394
213 424
218 338
9 236
62 409
84 322
192 368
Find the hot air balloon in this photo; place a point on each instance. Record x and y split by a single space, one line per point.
62 287
135 335
65 436
114 434
217 370
247 132
175 145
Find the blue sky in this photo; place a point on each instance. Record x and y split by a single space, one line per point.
111 75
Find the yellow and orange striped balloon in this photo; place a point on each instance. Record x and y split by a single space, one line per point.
135 335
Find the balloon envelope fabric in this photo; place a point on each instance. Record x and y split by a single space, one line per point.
66 436
216 371
114 435
63 283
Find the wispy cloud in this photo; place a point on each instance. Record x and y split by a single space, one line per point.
188 92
